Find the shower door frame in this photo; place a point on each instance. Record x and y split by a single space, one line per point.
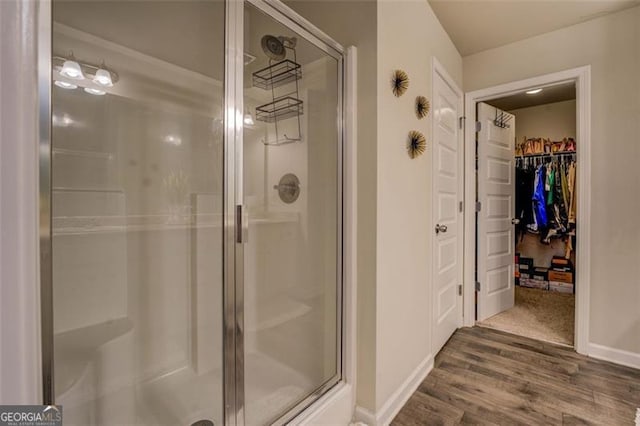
236 219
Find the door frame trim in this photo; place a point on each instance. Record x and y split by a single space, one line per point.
439 69
582 78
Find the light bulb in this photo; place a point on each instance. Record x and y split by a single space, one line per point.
72 69
93 91
248 120
103 78
65 85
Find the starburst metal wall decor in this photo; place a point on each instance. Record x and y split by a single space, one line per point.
422 107
399 83
416 144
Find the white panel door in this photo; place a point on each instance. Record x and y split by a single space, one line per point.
447 215
496 193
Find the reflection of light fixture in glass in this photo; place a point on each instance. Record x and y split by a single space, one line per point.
93 91
248 119
71 69
63 121
103 78
65 85
533 91
173 140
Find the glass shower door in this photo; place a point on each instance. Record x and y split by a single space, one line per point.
137 193
292 192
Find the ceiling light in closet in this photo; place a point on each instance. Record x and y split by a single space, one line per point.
71 69
65 85
103 78
93 91
533 91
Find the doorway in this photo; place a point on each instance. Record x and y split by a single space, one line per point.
530 211
490 197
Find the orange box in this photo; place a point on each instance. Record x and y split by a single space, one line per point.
562 277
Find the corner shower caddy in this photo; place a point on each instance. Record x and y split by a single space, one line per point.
281 107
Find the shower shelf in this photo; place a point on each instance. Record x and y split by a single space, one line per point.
280 109
277 74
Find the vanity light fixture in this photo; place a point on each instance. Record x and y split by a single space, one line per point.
100 77
533 91
103 78
70 68
65 85
93 91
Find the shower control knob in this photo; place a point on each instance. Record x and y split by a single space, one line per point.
441 228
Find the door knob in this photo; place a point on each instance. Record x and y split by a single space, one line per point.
515 221
441 228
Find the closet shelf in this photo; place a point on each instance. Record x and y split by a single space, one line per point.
277 74
546 154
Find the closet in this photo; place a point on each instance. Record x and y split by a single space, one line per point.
545 213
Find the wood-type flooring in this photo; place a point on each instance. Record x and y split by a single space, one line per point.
488 377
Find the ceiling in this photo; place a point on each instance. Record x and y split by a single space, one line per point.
477 25
549 94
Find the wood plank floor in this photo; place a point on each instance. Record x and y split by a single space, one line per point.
488 377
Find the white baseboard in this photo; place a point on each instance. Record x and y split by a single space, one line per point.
617 356
397 400
365 416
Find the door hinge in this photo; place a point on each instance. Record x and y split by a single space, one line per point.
459 289
460 207
478 126
478 206
477 285
461 121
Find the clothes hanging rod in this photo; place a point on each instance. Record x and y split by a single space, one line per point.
547 154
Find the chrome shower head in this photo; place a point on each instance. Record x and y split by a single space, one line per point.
273 47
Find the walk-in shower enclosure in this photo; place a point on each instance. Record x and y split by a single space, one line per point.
191 223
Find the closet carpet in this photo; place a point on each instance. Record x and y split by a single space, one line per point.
487 377
539 314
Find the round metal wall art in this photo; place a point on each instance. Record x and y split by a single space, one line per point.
422 107
416 144
399 83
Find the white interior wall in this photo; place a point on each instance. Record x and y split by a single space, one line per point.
610 45
409 35
552 121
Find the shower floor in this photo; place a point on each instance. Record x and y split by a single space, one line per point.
183 397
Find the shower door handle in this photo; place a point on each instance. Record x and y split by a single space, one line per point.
242 224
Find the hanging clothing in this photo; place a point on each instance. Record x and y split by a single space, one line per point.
543 197
550 183
539 202
571 182
565 186
524 194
